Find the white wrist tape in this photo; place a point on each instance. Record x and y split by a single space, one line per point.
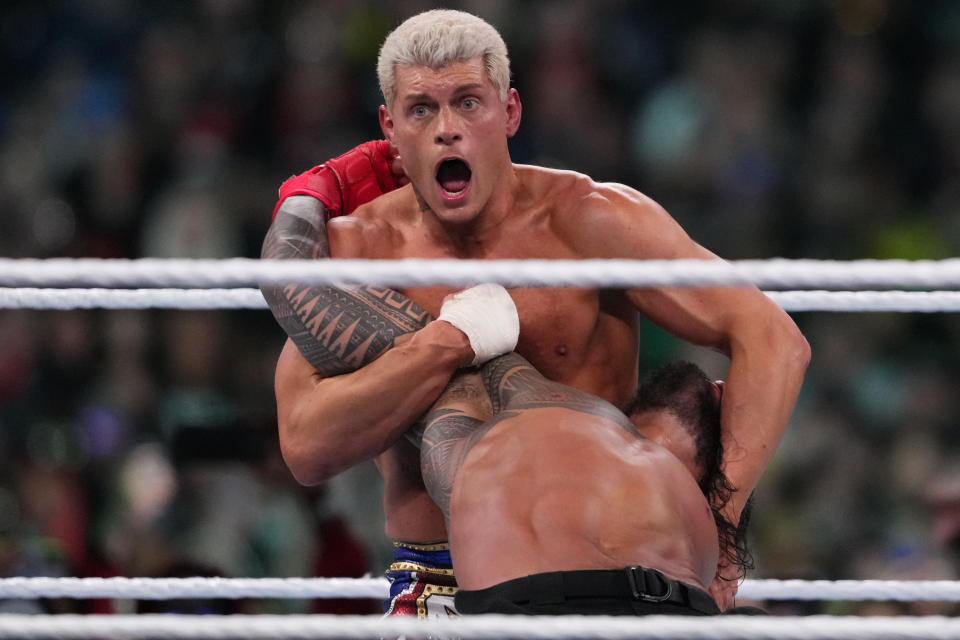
488 317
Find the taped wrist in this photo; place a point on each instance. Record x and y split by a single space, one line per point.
488 317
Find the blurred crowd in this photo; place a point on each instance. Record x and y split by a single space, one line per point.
143 443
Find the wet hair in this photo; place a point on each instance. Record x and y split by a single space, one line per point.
440 37
684 389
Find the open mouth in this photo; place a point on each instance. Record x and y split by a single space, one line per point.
453 176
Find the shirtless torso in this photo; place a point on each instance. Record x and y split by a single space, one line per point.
582 337
348 385
536 476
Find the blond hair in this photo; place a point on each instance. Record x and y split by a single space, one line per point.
440 37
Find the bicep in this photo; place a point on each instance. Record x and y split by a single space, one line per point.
708 316
294 378
625 224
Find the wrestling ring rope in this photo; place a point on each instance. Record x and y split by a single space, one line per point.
63 283
487 626
65 299
243 272
225 284
306 588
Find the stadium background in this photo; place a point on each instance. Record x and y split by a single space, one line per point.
143 443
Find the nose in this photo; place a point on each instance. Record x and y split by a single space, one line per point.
448 127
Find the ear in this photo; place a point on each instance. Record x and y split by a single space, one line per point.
514 110
386 123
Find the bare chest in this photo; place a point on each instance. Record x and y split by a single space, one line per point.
557 326
582 337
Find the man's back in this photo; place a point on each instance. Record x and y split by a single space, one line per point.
557 480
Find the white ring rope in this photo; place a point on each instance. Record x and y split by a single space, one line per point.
902 301
243 272
64 299
306 588
487 626
896 590
171 588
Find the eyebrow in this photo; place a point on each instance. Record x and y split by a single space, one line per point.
418 97
424 97
473 86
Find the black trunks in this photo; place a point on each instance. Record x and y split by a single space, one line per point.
625 592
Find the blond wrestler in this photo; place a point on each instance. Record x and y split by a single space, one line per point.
347 389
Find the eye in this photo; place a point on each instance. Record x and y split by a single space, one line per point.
419 111
469 104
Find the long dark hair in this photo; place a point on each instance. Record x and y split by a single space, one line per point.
684 389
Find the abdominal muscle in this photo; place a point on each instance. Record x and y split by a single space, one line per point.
544 493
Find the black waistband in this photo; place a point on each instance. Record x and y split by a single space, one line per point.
631 583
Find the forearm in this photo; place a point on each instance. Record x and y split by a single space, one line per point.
334 407
298 232
768 359
336 329
347 419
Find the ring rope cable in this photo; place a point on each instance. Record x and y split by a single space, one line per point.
245 298
775 273
305 588
66 626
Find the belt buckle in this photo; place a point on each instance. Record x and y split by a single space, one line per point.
638 584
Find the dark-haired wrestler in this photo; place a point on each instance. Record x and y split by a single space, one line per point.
557 503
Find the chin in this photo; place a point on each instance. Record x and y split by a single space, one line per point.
460 215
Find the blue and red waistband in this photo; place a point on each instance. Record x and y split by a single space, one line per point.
422 582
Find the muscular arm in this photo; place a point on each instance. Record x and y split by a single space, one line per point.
768 354
337 330
514 385
345 390
299 232
330 424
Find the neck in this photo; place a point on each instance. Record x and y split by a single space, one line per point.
472 237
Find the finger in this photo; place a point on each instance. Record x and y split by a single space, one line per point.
397 168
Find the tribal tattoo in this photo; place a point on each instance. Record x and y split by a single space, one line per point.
449 436
514 384
338 330
474 403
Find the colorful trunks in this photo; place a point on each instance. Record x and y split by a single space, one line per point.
623 592
422 583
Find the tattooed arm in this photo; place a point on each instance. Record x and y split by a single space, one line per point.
327 425
377 363
457 421
514 385
306 202
338 330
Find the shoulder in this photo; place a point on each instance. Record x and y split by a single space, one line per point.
575 192
372 230
605 219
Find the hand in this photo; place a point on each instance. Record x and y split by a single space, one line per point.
487 315
344 183
396 167
725 586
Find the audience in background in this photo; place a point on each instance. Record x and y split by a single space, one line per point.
802 130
